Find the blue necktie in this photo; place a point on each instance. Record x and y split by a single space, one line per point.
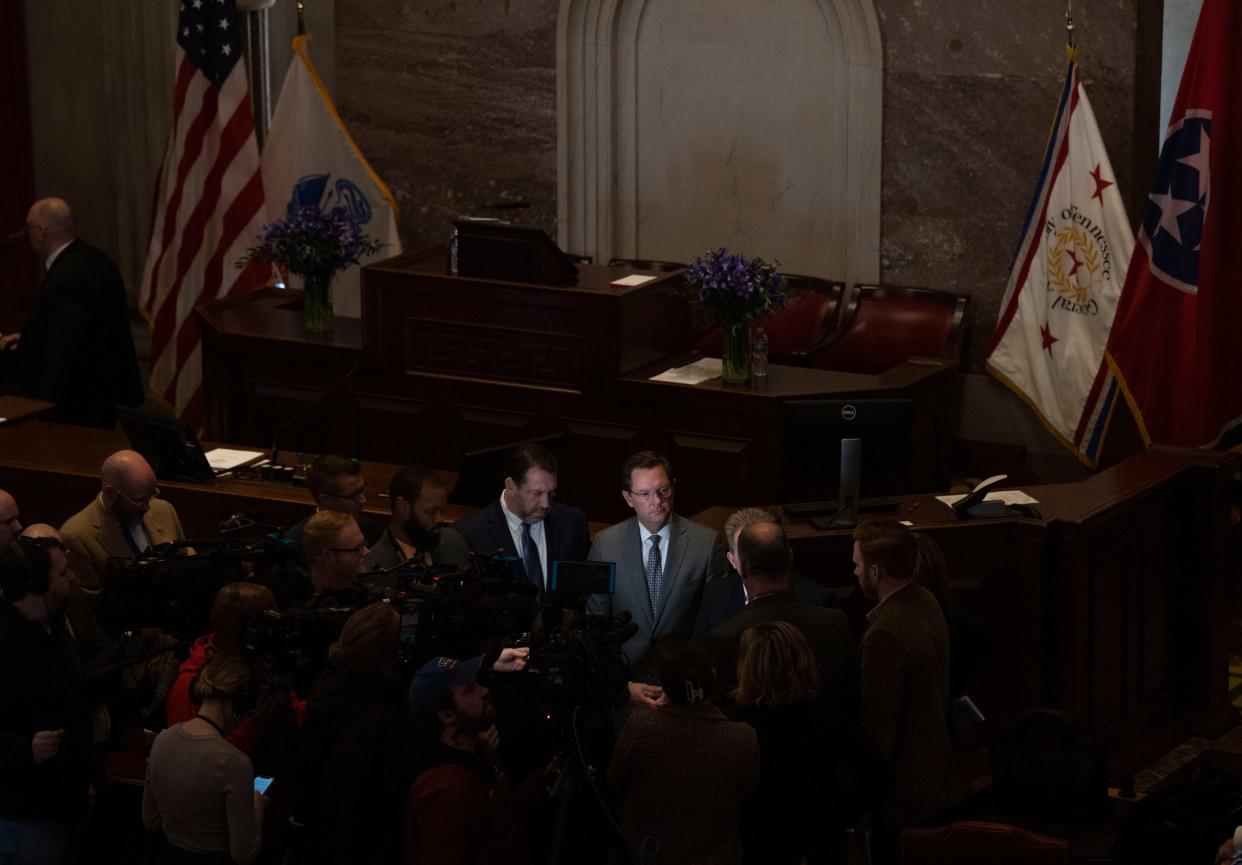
654 572
530 555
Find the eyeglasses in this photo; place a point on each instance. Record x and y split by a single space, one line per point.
361 549
353 497
645 495
139 502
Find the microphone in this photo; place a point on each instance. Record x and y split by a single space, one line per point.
241 520
272 462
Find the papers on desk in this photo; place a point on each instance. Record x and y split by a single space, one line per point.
703 369
1009 497
226 459
634 279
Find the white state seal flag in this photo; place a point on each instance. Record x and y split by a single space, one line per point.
1067 275
310 159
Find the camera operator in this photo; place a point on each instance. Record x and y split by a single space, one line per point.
418 499
263 736
199 788
357 746
336 554
45 721
462 808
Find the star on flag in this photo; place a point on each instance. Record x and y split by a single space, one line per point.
1100 183
1045 335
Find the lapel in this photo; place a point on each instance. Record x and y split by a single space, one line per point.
498 531
672 565
549 535
108 531
632 562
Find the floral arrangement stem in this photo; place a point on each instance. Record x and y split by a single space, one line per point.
317 302
735 357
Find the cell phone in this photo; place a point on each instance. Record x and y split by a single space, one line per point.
261 784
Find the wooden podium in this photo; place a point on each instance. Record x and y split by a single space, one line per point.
450 365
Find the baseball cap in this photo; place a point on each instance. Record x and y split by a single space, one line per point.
436 676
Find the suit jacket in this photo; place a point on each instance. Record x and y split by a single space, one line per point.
94 534
695 556
76 349
451 550
679 776
828 631
565 532
905 700
726 597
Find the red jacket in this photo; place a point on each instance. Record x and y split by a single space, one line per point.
181 706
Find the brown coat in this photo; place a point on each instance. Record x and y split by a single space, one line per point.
94 534
679 775
905 699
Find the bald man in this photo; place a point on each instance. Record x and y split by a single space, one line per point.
10 519
124 520
76 349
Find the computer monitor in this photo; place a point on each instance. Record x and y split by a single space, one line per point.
814 430
497 250
168 444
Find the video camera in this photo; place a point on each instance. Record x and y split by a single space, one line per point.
168 587
576 658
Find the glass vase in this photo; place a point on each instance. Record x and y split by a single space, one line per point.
317 302
735 354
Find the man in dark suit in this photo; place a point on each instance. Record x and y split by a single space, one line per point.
525 522
763 561
905 682
664 561
76 349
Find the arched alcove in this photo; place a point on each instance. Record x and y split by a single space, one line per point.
683 124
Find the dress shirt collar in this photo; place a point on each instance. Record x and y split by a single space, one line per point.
664 533
47 265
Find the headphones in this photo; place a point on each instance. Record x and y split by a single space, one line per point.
29 582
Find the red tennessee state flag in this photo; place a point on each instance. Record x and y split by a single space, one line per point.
1176 342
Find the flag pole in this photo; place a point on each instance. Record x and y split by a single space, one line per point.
1071 48
258 53
301 20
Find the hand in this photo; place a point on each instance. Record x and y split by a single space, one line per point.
511 660
489 740
651 696
1226 853
9 341
45 745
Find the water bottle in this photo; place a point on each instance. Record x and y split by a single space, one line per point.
759 357
453 251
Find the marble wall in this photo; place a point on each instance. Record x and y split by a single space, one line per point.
454 103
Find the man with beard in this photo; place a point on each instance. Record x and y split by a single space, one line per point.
525 521
417 497
462 807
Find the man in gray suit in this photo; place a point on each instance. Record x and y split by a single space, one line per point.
664 562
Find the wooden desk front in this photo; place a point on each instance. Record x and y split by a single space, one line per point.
1114 605
451 365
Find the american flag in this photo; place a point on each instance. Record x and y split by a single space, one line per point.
209 200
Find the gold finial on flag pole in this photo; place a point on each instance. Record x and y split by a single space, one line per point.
1071 48
301 19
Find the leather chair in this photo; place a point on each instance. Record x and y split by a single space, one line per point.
882 326
804 321
978 843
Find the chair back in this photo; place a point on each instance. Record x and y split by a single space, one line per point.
979 843
883 326
804 320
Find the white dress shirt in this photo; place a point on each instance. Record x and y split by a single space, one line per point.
537 535
646 536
